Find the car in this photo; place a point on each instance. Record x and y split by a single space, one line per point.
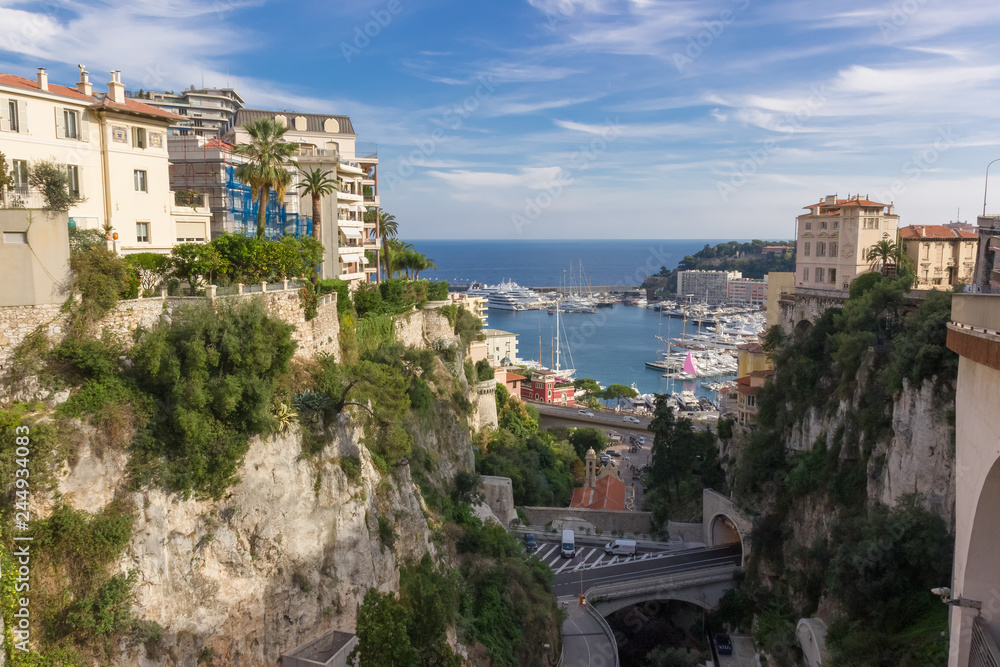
585 413
613 453
642 440
630 419
530 543
723 644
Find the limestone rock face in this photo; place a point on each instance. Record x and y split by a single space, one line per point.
287 554
921 456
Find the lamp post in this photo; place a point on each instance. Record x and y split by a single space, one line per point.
986 189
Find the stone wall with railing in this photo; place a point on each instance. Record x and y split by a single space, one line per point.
320 335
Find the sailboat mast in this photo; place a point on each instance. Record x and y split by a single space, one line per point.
557 338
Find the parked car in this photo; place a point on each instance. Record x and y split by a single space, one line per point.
723 644
530 543
586 413
613 453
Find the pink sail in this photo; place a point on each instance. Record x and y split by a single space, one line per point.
689 365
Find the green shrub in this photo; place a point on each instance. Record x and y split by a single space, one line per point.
386 533
101 278
437 291
351 465
151 268
52 179
484 371
214 374
106 611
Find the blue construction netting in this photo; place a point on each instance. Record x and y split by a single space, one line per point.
243 209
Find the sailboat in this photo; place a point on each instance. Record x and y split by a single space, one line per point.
567 372
689 372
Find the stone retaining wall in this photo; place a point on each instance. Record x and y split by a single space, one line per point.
319 335
609 521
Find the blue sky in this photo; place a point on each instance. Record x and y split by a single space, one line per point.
587 118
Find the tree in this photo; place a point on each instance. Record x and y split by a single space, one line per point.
6 177
388 227
588 385
616 392
267 155
151 267
194 262
583 439
882 255
52 179
675 447
317 184
382 633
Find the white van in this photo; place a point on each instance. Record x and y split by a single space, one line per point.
620 548
568 544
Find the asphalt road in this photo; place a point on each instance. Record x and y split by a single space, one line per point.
569 582
612 419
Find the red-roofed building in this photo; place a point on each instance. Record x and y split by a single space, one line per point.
548 387
603 488
114 151
942 256
832 240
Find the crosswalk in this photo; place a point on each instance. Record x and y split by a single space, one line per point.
587 558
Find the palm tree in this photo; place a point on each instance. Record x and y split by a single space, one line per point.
421 263
267 154
881 255
394 253
388 227
317 184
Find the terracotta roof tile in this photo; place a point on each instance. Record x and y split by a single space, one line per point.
932 232
608 494
97 101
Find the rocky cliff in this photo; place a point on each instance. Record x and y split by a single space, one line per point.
288 553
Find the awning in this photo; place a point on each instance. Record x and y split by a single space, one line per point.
351 232
348 259
341 204
364 260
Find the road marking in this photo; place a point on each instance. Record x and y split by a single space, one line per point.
547 553
568 561
584 561
598 561
644 557
555 559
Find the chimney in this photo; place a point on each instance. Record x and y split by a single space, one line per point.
116 89
83 86
831 200
43 79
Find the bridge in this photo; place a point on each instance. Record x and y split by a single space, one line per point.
698 576
974 334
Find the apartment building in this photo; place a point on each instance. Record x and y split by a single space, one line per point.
208 166
987 274
747 292
942 256
501 347
328 142
833 239
114 150
203 111
705 286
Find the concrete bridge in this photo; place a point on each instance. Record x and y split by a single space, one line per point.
974 333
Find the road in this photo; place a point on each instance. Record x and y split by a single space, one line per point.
585 643
612 419
570 582
591 555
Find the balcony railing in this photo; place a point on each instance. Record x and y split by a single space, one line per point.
189 199
305 150
22 198
983 651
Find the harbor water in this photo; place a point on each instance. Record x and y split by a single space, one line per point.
611 346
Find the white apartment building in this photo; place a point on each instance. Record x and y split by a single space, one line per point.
833 239
500 345
705 286
329 143
203 111
114 150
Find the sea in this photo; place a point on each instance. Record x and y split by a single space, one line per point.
611 345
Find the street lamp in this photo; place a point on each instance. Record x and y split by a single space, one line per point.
987 188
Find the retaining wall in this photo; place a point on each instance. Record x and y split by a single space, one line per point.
319 335
609 521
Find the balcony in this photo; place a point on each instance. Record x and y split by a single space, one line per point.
22 198
310 151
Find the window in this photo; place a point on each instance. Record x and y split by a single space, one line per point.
805 274
71 124
15 124
822 224
140 180
808 248
139 137
73 179
142 232
809 225
819 274
836 224
833 275
20 174
821 249
833 249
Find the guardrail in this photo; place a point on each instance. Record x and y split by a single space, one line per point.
709 575
604 626
983 651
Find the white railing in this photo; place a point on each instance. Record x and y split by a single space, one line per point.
983 651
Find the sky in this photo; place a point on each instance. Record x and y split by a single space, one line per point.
528 119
